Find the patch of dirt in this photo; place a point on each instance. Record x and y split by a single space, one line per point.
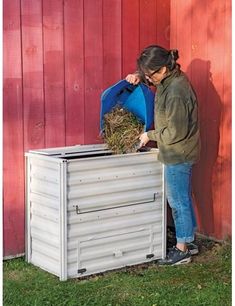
208 250
14 275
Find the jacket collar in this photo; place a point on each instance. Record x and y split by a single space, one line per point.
169 77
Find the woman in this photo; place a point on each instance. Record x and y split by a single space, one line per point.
176 132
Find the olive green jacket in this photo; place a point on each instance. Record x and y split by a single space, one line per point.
176 120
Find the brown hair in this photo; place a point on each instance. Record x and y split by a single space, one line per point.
155 57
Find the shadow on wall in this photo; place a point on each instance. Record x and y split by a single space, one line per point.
209 116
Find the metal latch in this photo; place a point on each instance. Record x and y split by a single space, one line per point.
77 209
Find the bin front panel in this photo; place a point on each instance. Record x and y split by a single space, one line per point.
113 238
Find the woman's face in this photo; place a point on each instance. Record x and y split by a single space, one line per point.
156 76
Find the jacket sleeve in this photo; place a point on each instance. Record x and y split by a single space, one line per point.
177 119
152 135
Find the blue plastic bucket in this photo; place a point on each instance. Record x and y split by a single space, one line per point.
138 99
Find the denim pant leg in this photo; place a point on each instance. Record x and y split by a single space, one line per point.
178 191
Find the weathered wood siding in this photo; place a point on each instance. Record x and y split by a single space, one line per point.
201 31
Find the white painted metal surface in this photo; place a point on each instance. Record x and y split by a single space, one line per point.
90 214
43 218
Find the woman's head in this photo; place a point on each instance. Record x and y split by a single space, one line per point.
155 62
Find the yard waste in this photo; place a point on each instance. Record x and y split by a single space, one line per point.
122 130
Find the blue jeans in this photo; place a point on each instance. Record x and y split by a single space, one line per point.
179 196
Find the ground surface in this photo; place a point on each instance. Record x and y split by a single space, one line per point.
205 281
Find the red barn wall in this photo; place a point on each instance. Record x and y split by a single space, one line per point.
59 55
201 31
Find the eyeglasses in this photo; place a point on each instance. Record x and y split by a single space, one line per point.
151 74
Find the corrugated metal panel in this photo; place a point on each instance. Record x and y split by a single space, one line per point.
105 182
126 159
112 238
92 182
50 202
43 218
52 265
44 178
45 236
113 200
121 217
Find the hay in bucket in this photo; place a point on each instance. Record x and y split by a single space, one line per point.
122 130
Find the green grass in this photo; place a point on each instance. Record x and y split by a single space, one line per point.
206 281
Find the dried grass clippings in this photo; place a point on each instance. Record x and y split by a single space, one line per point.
122 130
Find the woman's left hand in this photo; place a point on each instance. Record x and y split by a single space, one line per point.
143 139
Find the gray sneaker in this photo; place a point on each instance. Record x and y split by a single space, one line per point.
193 248
175 257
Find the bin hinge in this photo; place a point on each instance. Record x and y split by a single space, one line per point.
81 270
149 255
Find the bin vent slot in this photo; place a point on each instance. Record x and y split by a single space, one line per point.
149 255
82 270
74 155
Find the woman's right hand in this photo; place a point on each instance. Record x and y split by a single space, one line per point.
133 78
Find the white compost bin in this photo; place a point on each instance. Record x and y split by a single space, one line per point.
89 211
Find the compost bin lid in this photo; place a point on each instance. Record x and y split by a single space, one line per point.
74 151
138 99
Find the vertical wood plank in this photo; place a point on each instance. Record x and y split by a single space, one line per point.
184 32
93 58
226 133
199 70
32 52
148 19
216 51
112 42
130 35
74 71
163 23
13 158
54 72
173 24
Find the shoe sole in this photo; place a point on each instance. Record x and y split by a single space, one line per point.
183 261
194 252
